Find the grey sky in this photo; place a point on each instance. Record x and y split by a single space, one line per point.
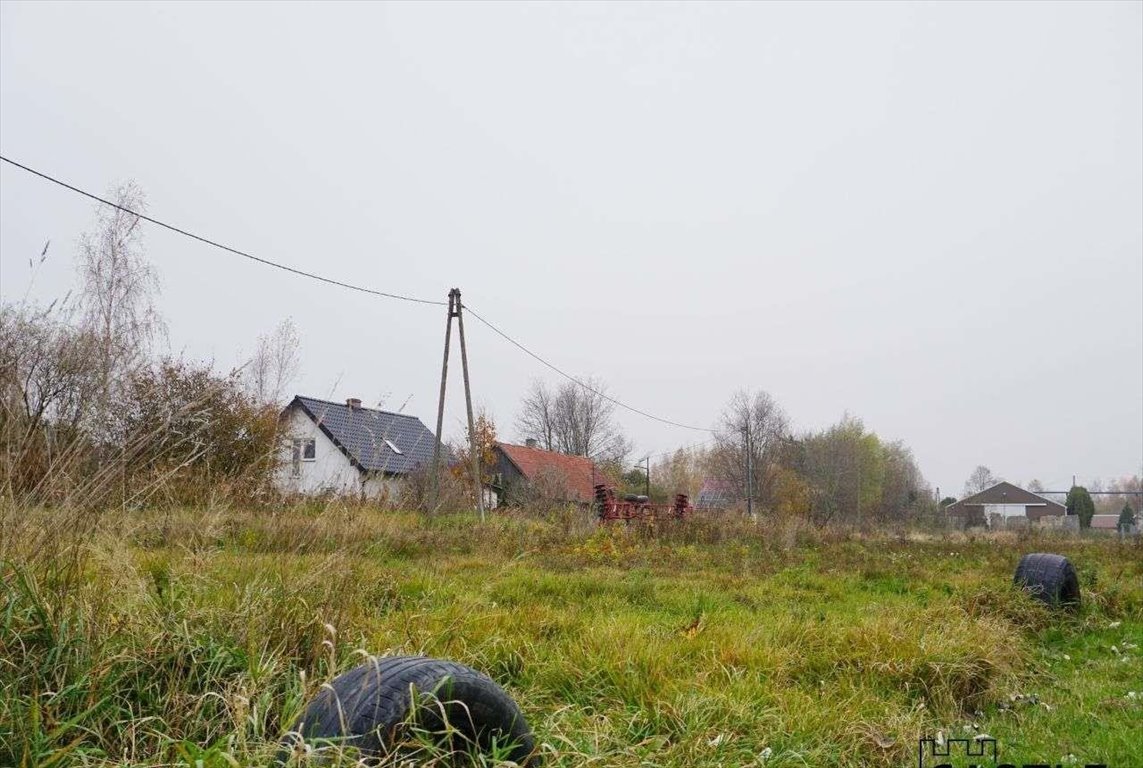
928 215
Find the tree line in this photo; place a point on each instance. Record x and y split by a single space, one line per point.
844 473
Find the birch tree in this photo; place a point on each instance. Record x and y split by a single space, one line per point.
274 365
119 289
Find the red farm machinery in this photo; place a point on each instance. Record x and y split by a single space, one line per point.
630 507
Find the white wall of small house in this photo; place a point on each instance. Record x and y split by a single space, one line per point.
329 470
1005 510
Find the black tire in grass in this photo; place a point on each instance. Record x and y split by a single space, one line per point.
1048 578
364 708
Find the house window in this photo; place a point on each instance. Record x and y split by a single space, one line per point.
303 449
393 447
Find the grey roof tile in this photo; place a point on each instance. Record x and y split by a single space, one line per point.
361 433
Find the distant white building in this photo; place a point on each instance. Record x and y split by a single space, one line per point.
346 448
1000 504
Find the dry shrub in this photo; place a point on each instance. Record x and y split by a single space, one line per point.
177 434
545 492
450 493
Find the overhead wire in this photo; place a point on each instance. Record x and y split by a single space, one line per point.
227 248
578 381
352 287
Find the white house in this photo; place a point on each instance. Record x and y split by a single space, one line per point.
1002 503
346 448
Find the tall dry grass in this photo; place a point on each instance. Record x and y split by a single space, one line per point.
171 636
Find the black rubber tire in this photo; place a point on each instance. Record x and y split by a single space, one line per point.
376 697
1048 578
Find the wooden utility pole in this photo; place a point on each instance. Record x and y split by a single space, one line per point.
455 310
473 447
749 470
440 406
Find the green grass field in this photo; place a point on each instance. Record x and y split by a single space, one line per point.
195 638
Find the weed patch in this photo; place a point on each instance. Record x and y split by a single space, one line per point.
195 637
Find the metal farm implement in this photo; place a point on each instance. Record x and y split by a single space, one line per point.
633 507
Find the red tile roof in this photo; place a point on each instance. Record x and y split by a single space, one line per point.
578 472
1105 522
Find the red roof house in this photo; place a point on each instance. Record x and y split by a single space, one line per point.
554 475
1105 522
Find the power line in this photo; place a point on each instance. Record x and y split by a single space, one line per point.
227 248
581 383
349 286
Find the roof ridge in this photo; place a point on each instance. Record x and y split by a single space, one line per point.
545 450
372 439
967 501
361 408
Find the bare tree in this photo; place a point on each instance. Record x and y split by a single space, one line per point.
119 288
274 365
754 425
1130 486
573 419
980 479
537 418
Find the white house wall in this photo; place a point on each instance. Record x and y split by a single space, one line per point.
330 470
1005 510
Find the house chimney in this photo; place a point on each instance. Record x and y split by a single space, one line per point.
530 442
354 403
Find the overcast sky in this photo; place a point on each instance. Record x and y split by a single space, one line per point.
927 215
